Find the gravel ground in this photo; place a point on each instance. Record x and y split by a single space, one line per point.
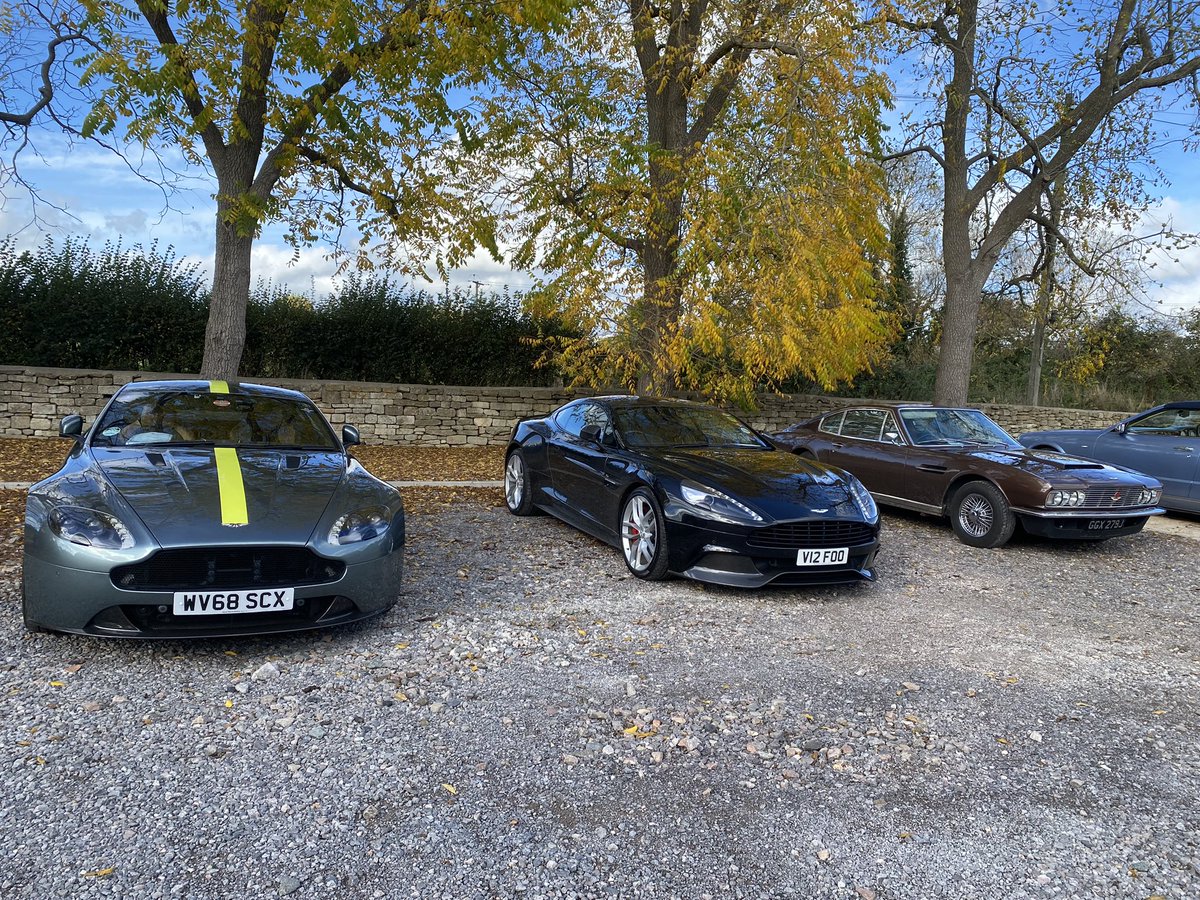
530 721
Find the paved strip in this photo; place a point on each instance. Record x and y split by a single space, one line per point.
447 484
1179 526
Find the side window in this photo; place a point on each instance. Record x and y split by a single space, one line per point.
595 414
575 418
1167 421
891 431
832 423
865 424
571 419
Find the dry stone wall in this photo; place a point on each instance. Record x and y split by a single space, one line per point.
32 400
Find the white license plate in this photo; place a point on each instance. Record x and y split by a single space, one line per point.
831 557
214 603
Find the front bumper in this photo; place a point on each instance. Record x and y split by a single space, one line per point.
1085 524
61 598
719 553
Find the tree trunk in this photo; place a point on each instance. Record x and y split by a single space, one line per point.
960 321
225 336
1045 293
1033 390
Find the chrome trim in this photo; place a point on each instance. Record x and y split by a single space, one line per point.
1080 512
914 505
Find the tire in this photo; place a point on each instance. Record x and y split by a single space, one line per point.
518 495
980 515
643 533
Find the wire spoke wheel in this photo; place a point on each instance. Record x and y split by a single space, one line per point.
975 515
981 516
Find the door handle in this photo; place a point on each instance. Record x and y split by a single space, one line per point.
1188 449
838 444
929 467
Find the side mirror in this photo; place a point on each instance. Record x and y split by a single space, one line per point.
892 437
591 433
71 427
1120 428
350 436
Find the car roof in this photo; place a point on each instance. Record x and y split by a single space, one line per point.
235 388
899 407
1181 404
626 400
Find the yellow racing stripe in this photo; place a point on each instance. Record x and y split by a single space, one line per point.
230 487
218 387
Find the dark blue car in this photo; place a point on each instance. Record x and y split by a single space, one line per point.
1163 442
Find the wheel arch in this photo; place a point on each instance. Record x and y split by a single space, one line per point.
966 478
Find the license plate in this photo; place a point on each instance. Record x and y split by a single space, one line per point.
213 603
830 557
1105 524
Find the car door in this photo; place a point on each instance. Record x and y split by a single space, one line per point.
1155 444
929 467
578 459
869 446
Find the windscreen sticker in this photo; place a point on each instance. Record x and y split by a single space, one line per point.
218 387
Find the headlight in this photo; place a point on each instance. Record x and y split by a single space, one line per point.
1149 497
360 525
1066 498
717 505
90 528
863 498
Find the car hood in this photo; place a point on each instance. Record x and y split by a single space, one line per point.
1063 434
176 495
1057 467
782 485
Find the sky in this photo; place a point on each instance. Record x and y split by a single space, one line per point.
84 190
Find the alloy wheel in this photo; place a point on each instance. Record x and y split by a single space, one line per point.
514 481
639 533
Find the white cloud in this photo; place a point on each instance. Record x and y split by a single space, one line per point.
1177 271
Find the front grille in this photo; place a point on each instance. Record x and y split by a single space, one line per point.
1102 497
227 567
811 535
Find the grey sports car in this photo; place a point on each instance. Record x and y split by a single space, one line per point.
1163 442
201 508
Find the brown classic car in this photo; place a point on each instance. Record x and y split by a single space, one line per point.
961 464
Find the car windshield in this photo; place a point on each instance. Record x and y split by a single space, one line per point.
682 426
953 427
177 417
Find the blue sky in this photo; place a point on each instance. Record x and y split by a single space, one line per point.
88 191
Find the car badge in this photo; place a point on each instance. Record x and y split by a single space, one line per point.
820 510
235 524
1116 496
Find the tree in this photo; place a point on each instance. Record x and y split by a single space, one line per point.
319 113
693 179
1023 90
39 42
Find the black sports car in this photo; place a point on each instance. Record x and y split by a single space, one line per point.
688 489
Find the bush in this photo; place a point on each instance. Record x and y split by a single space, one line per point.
113 309
127 309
